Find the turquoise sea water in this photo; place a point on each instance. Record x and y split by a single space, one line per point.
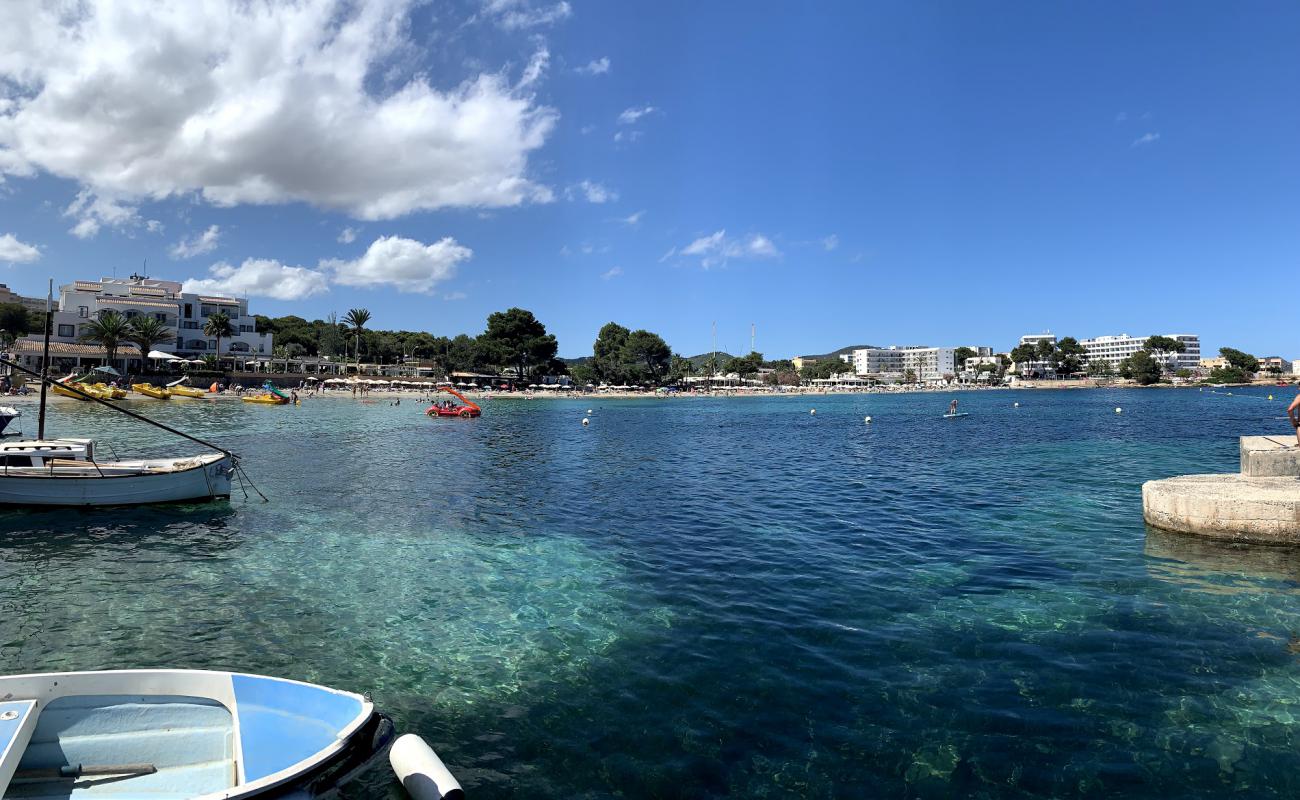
702 598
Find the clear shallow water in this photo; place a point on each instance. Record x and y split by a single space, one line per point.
700 598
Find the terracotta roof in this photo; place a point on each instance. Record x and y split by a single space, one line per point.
225 301
34 347
134 301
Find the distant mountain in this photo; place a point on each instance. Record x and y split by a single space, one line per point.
840 352
702 360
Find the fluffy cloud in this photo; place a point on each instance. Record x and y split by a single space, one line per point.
262 277
593 192
1146 139
347 235
613 272
630 116
598 67
13 251
94 211
717 248
205 242
523 14
830 242
405 264
258 103
632 220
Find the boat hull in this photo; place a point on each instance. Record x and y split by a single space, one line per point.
209 479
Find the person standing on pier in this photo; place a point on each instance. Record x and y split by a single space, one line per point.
1293 414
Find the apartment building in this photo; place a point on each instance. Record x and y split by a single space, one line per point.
1114 349
927 363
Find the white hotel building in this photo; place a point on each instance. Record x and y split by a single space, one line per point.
928 363
184 313
1114 349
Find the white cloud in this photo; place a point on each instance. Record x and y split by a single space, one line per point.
205 242
13 251
1146 139
455 296
598 67
154 226
593 192
627 136
632 220
93 211
522 14
831 242
348 235
405 264
262 277
586 129
1121 116
611 273
259 103
630 116
717 248
536 68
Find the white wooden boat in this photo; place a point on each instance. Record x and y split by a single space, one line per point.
7 415
65 472
181 735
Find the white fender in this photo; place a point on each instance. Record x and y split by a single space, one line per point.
421 772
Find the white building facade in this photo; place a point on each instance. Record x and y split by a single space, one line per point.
184 313
927 363
1114 349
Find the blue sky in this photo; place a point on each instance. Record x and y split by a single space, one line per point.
937 173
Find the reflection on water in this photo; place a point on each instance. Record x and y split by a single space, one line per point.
699 598
1216 566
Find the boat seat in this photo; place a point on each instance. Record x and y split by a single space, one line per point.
190 740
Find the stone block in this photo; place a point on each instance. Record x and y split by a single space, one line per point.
1269 457
1232 507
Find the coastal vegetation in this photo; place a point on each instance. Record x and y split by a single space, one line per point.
16 322
218 327
110 331
1240 367
147 333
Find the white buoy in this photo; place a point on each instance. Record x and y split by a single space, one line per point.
589 411
1015 405
867 420
586 421
1119 410
1270 397
421 772
812 411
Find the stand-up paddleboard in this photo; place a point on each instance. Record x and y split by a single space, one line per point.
959 414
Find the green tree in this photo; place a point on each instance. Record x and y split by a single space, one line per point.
1162 347
647 349
1068 357
355 322
1240 360
516 338
744 366
15 322
1023 355
1044 349
824 368
1143 368
147 333
680 367
909 376
959 357
218 327
110 330
1100 368
610 355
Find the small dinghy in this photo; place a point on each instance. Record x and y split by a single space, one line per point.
7 415
181 735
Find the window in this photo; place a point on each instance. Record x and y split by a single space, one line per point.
208 311
16 461
180 342
245 328
83 311
212 343
160 317
190 325
67 331
189 310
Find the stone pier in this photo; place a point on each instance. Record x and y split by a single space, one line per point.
1260 504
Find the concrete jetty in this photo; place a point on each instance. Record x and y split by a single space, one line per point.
1261 504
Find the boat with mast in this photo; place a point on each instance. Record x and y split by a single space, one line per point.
68 472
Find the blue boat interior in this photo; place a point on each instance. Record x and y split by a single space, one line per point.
190 741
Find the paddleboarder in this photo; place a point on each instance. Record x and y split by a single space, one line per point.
952 408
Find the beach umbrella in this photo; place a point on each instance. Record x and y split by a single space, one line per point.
164 356
108 370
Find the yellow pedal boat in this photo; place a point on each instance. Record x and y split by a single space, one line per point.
150 390
186 391
267 399
110 392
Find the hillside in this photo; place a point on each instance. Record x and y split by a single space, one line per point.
838 353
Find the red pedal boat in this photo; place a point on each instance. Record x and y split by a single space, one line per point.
466 410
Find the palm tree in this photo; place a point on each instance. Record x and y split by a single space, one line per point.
109 331
356 321
147 333
218 327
